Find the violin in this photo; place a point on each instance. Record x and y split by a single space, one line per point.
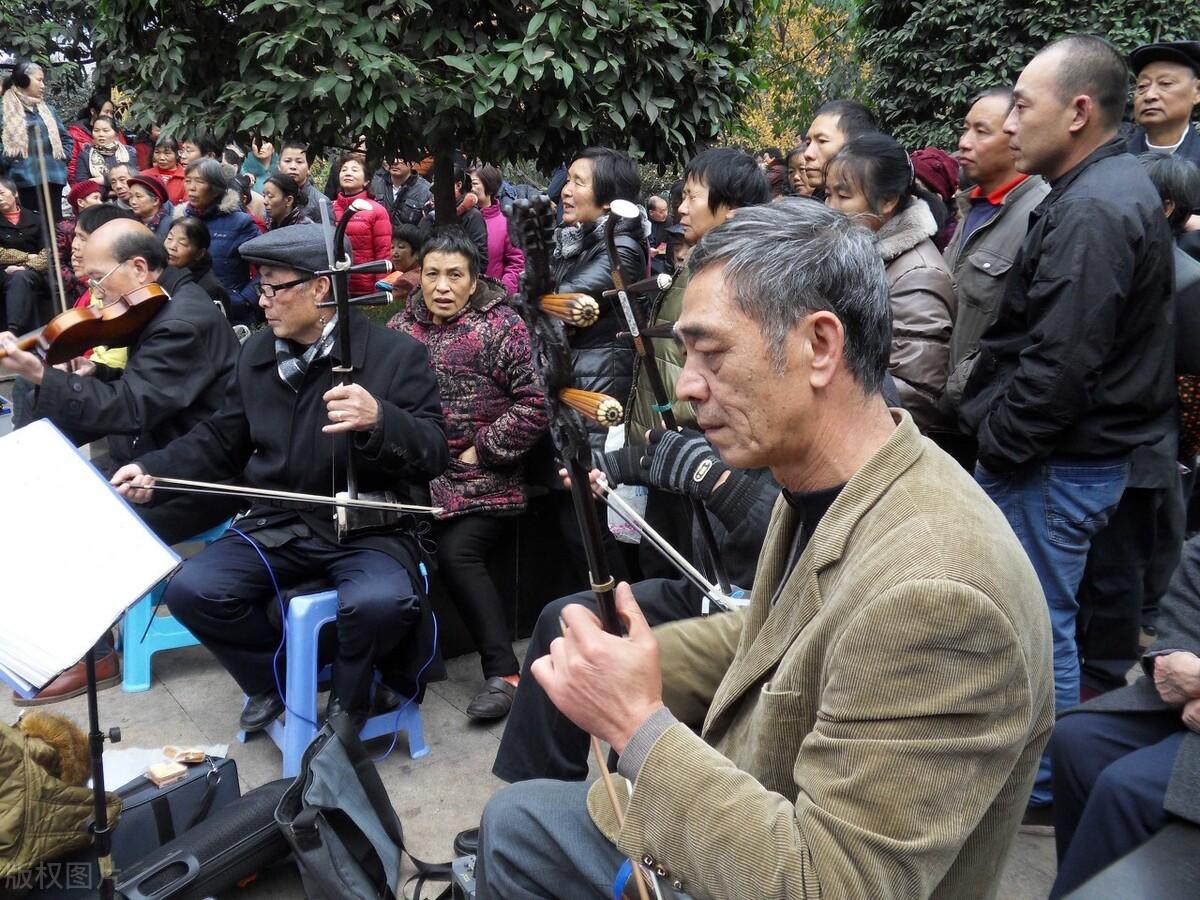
116 324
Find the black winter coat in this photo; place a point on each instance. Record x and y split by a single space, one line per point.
265 435
601 362
202 274
177 375
1081 361
25 235
406 207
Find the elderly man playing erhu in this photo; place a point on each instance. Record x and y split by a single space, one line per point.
870 726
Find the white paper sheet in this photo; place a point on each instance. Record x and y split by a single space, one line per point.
76 556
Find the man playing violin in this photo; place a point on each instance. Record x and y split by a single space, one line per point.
176 376
284 426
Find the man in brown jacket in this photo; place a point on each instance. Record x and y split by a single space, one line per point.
871 724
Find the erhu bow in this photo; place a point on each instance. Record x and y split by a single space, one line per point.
534 223
644 346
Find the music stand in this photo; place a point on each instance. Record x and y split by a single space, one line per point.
101 832
80 602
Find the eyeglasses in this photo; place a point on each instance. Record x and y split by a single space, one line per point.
270 290
98 284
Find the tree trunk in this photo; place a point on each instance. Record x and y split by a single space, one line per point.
444 205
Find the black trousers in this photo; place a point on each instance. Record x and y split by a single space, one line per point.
222 595
18 298
618 560
539 741
1111 772
1131 561
463 547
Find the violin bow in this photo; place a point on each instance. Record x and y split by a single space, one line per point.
48 220
534 223
643 345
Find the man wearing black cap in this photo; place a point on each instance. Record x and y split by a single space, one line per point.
287 426
1168 89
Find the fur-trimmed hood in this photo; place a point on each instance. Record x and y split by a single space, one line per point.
907 229
230 202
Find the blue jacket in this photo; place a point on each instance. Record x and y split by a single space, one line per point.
230 227
25 171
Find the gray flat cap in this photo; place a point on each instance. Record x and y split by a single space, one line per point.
299 247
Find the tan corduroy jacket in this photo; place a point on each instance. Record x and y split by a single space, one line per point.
875 732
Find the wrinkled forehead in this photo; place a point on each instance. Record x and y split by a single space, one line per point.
279 274
710 312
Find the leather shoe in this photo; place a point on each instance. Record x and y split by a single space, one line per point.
73 682
260 711
358 717
493 702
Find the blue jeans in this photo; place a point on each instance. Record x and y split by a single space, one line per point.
1056 507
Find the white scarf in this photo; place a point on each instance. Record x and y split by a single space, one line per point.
16 132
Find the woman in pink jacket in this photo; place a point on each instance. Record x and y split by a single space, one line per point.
370 231
505 262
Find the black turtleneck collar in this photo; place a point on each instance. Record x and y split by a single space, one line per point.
811 505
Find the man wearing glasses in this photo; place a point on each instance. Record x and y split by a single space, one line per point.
287 425
176 376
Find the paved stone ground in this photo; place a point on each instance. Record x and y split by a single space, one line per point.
192 701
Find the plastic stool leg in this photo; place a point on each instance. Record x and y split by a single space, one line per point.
135 668
304 620
415 730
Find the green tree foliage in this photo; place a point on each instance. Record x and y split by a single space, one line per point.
539 78
928 58
805 55
56 34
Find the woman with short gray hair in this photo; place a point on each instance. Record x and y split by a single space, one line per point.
218 205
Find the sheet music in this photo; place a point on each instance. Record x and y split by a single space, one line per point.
77 556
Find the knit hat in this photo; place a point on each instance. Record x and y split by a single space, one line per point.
938 169
80 191
153 185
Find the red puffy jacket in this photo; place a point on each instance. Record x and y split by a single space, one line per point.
370 234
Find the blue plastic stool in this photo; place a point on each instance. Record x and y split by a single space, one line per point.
306 614
165 632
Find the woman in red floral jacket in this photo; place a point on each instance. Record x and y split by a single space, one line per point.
495 411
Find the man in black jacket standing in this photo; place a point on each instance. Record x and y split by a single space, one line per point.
402 192
286 424
176 376
1078 371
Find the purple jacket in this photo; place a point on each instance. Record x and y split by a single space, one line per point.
492 398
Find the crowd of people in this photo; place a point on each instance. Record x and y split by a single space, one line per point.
943 406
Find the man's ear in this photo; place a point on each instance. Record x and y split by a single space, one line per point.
1083 109
322 288
826 339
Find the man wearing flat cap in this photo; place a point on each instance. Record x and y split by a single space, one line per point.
287 425
1167 91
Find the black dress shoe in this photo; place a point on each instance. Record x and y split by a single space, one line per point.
260 711
493 702
358 717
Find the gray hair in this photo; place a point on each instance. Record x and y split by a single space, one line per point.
783 261
210 171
